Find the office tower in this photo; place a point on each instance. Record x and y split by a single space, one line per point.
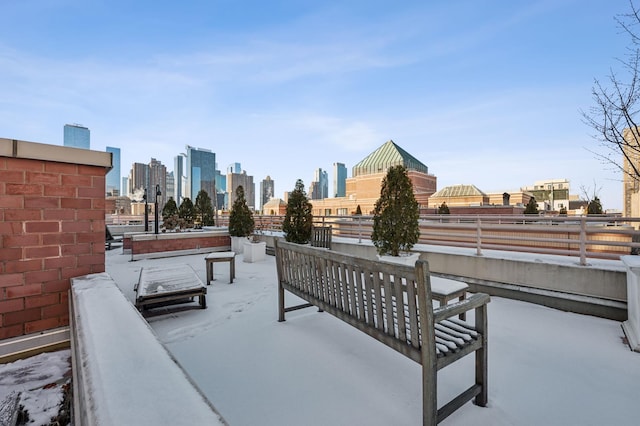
241 179
171 181
113 176
157 180
339 180
138 181
201 173
179 178
234 168
267 189
125 186
319 188
76 136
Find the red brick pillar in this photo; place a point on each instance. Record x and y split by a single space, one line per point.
52 228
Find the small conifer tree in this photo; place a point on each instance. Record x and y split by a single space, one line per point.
187 212
532 206
358 211
241 223
443 209
298 220
594 206
204 208
169 209
396 214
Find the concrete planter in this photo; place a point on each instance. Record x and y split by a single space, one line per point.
237 244
404 259
255 252
631 326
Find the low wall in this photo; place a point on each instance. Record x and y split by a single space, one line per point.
598 289
177 243
122 374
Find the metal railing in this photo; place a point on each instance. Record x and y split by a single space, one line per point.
584 237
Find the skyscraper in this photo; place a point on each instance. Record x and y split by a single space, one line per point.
241 179
267 189
76 136
157 180
113 177
339 180
319 188
201 172
138 181
179 178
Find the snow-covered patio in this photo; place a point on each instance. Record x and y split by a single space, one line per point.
545 366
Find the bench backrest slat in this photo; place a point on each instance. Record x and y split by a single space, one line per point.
374 293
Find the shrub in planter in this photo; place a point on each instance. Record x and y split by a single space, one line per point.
241 223
396 214
298 220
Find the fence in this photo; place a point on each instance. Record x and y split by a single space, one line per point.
585 237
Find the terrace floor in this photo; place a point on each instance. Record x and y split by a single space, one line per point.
545 366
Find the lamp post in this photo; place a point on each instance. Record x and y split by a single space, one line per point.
146 211
158 193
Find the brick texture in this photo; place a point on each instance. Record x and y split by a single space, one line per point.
51 230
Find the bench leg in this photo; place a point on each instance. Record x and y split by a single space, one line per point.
232 270
482 357
203 301
209 267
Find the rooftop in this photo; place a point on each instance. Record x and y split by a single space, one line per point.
545 366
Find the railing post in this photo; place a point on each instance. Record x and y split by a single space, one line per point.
478 238
583 241
359 229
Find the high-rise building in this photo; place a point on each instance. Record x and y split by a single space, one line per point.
630 178
171 181
179 178
339 180
113 176
201 172
267 190
138 181
125 186
234 180
234 168
77 136
157 180
319 188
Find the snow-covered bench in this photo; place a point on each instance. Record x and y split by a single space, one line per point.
160 285
393 304
122 374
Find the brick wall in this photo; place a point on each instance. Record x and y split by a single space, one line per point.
51 229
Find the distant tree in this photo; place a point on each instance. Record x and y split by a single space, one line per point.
594 206
187 211
241 223
563 211
617 102
358 210
170 209
204 208
298 219
396 214
443 209
532 207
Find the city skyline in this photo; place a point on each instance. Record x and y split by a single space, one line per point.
485 94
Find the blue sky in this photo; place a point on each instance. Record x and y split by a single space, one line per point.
485 93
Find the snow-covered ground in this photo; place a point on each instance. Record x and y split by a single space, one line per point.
40 380
546 367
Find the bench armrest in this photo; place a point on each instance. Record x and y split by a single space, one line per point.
474 301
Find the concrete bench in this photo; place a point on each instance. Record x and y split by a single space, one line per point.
161 285
122 374
392 303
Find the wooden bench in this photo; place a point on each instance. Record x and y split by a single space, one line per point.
109 239
393 304
220 256
321 236
162 285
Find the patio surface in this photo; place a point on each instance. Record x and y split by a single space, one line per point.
545 366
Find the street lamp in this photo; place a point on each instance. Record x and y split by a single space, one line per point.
158 194
146 211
